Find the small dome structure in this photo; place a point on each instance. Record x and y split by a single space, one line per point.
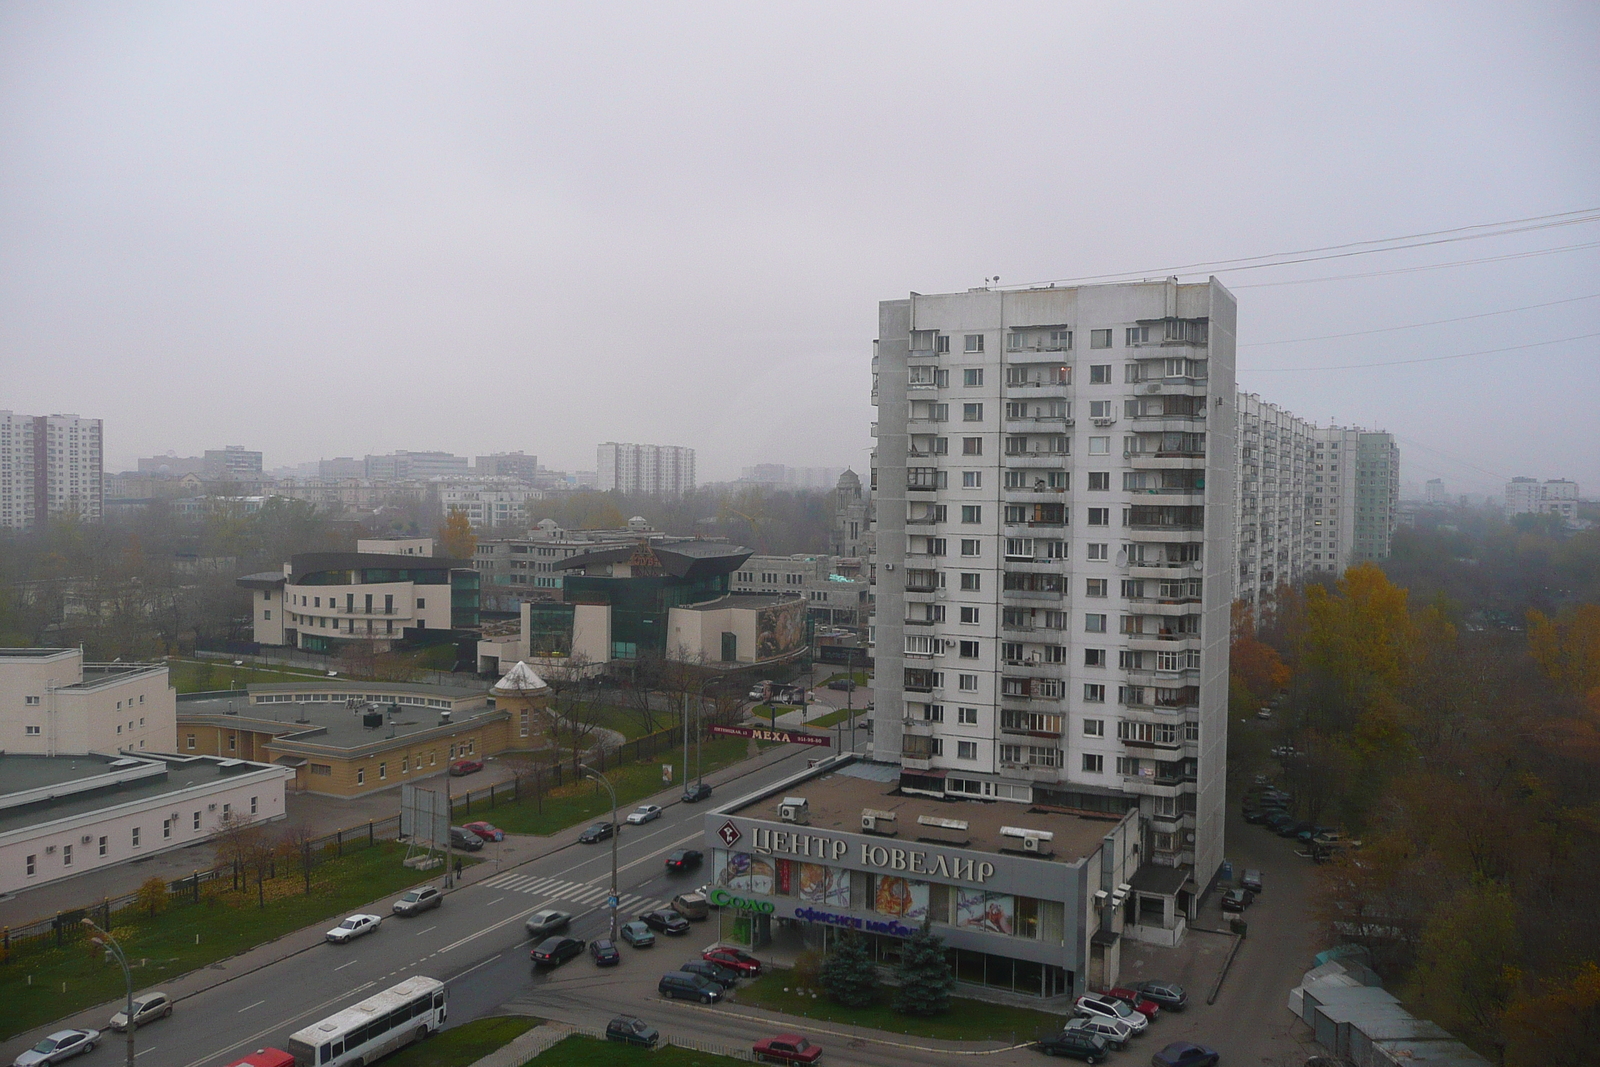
520 680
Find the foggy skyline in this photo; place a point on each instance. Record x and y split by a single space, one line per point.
323 231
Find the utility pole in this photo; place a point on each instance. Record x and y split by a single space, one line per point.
109 943
616 832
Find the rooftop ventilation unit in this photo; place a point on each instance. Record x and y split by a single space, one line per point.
874 821
795 810
1033 841
943 824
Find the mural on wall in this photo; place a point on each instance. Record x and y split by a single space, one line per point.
824 885
902 897
742 871
993 913
780 630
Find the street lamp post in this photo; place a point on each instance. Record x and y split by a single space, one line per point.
699 735
616 831
109 943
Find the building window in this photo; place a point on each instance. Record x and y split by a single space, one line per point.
1138 335
1099 551
1095 586
1094 693
166 829
1094 727
971 513
252 805
974 342
1093 763
33 865
267 615
421 603
969 614
1099 480
32 731
967 683
971 581
66 851
972 479
197 820
966 750
972 376
1094 623
31 702
1099 516
970 546
361 776
969 650
383 771
972 446
135 837
103 846
1094 657
1099 446
1099 338
188 740
321 769
967 716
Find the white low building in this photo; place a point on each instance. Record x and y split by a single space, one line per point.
54 703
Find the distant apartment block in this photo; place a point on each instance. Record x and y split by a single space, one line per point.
514 570
1529 496
831 595
656 470
1434 492
342 467
489 505
234 461
50 466
404 466
171 466
778 475
507 465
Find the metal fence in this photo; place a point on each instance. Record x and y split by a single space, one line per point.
300 859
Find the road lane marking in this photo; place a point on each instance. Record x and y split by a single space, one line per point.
429 930
136 1055
342 966
475 966
496 900
258 1035
487 929
257 1004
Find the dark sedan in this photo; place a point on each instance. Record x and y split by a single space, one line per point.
684 859
554 951
600 831
1079 1044
697 792
1185 1054
605 953
1237 899
665 922
726 977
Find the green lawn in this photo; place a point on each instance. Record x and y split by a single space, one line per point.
580 1051
842 715
205 676
464 1044
859 676
967 1020
585 800
188 936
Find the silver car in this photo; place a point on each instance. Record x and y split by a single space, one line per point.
549 921
146 1009
353 928
61 1045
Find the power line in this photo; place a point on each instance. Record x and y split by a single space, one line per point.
1352 248
1424 359
1423 267
1417 325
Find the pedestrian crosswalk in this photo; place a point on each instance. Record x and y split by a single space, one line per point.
571 892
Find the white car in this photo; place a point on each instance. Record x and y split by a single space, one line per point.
146 1009
1098 1007
60 1045
644 813
354 927
1116 1032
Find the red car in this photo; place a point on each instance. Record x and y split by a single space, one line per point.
786 1048
1148 1008
742 962
486 831
466 766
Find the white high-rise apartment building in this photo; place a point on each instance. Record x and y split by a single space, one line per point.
50 465
660 470
1054 481
1528 496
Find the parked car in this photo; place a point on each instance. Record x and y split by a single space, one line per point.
464 839
605 952
680 985
554 951
684 859
1280 822
61 1045
1169 995
786 1048
1079 1044
644 813
1185 1054
637 934
466 766
725 977
759 690
1114 1032
1251 880
1264 713
147 1009
1295 829
1104 1007
600 831
632 1030
1237 899
485 831
264 1057
740 961
697 792
663 921
845 685
1133 999
547 921
1260 815
353 927
419 900
691 906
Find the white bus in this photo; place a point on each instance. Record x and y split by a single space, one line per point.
374 1028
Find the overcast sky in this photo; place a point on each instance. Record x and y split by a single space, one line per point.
336 229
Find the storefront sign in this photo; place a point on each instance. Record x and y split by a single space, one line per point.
784 737
912 861
724 899
871 926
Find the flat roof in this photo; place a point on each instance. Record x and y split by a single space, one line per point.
745 600
22 772
101 673
327 724
351 687
33 653
836 799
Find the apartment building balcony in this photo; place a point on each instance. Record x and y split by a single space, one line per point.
1036 566
921 584
922 520
916 763
1168 534
1034 495
1037 460
1033 668
1152 787
1163 641
1033 595
366 613
1038 390
1032 772
1038 424
1159 461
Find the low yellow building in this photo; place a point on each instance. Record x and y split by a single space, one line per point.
353 738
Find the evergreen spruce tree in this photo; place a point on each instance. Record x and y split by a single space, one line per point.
924 976
848 974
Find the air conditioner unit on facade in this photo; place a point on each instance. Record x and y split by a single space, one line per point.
795 810
49 850
1031 843
85 839
873 819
